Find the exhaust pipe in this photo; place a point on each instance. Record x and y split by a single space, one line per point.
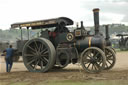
96 20
82 26
107 32
108 42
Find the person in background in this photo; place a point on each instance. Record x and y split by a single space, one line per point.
9 58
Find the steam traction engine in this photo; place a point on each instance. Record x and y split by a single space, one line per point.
123 42
61 47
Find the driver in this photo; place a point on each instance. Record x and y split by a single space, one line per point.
61 28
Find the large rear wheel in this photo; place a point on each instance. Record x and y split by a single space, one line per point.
39 55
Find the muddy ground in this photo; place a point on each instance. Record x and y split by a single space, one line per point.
72 72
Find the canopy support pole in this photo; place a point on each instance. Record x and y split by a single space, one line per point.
21 34
28 32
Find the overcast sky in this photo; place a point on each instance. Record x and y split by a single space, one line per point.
111 11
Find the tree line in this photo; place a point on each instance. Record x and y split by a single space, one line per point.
15 34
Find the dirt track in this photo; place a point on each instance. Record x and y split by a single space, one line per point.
71 72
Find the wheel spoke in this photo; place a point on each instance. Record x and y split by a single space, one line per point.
41 64
86 61
92 67
35 66
109 62
43 50
96 67
36 45
106 51
109 55
96 54
31 48
29 55
109 58
44 55
106 65
46 59
31 61
32 52
88 65
31 58
39 49
87 56
90 54
100 62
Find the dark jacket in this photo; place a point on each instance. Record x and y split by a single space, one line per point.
9 52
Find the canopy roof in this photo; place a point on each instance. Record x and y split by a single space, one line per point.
43 23
122 35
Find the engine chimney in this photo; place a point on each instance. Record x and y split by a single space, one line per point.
96 20
82 26
107 32
108 42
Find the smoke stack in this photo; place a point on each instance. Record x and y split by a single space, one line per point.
96 20
107 32
82 26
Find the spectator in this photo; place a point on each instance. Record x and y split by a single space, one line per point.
9 58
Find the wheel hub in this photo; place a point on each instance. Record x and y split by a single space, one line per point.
93 60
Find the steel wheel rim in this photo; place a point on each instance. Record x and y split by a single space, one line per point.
93 61
36 55
110 58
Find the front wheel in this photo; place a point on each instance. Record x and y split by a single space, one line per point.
110 58
93 60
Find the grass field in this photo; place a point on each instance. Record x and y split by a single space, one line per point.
68 82
71 75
